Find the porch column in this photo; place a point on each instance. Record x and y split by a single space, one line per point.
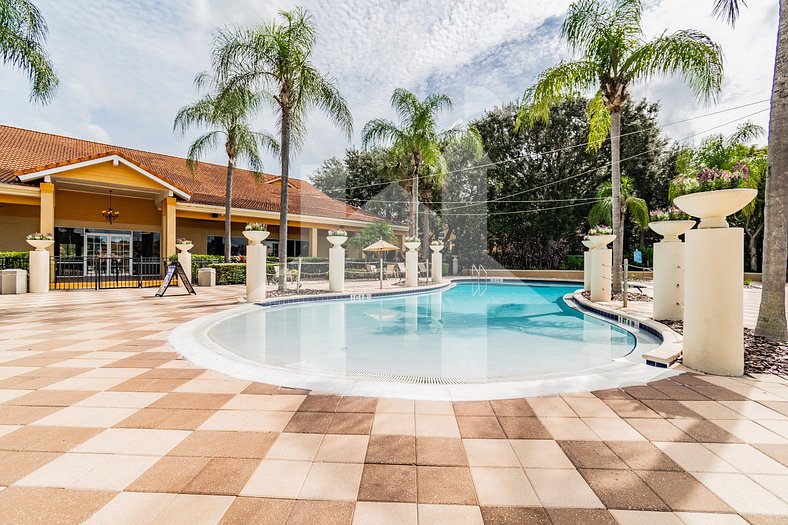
168 233
313 242
47 218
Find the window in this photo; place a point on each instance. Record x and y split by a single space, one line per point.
69 242
216 245
146 244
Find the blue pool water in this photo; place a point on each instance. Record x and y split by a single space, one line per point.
471 332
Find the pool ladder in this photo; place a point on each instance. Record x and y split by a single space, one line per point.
478 290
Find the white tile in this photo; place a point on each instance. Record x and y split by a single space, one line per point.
92 417
694 457
449 514
145 442
277 479
612 429
120 399
193 509
747 459
707 518
540 453
562 488
742 494
382 513
131 508
645 517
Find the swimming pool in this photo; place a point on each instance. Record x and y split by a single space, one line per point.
466 334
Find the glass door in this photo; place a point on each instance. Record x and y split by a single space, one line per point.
110 251
96 250
120 253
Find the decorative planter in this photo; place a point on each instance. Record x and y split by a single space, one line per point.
588 244
670 230
713 206
436 247
412 245
184 247
40 244
599 242
256 236
337 240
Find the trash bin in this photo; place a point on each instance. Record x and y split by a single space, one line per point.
13 281
206 277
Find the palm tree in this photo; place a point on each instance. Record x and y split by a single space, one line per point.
771 315
418 140
225 112
274 60
23 32
602 211
613 55
373 233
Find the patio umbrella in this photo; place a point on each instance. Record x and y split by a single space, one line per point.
380 247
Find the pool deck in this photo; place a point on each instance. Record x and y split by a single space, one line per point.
100 420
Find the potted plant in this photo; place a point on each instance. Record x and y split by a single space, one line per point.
712 194
599 237
337 237
256 232
183 244
670 223
412 243
40 241
436 245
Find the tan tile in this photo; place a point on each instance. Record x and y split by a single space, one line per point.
351 423
490 453
473 408
44 505
260 511
146 442
440 452
166 419
395 406
659 430
277 479
225 444
503 486
444 408
505 515
16 465
562 488
622 489
298 447
391 450
537 453
742 493
309 422
192 401
550 407
512 408
46 439
591 454
681 491
431 425
630 408
194 508
560 516
486 427
320 403
396 483
169 474
24 415
49 398
642 456
449 514
401 424
324 512
357 404
131 508
340 448
225 476
523 427
332 481
446 485
385 513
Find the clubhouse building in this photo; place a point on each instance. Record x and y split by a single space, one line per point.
103 201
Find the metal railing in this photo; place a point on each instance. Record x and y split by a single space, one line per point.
101 272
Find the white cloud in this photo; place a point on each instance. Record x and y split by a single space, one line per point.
125 71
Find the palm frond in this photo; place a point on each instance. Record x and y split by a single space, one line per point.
585 22
638 210
598 118
379 132
728 10
690 54
746 132
200 146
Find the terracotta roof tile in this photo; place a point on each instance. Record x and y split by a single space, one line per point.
25 151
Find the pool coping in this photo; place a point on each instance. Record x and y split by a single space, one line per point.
191 341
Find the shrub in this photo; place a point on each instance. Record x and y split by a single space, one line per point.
14 260
230 273
445 267
573 262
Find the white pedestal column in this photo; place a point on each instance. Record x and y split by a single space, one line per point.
437 264
336 269
39 271
411 268
586 271
185 258
713 301
669 281
601 262
255 272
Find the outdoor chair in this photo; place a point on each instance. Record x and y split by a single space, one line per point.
423 273
401 272
390 271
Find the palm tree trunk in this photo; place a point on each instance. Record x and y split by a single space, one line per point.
618 230
414 199
425 229
228 205
285 154
753 251
771 316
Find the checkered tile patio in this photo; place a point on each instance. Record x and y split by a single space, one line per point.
100 421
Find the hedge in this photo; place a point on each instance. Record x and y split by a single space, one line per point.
230 273
14 260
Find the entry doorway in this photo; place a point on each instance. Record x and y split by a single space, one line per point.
110 250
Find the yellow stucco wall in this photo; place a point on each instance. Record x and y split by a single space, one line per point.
86 207
16 221
106 172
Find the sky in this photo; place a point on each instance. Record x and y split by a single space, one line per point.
126 67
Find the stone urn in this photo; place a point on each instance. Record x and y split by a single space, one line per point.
436 247
412 245
337 240
670 230
184 247
712 207
598 242
256 236
40 244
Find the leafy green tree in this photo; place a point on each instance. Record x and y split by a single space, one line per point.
417 139
613 54
23 32
602 211
224 113
274 60
373 233
772 321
